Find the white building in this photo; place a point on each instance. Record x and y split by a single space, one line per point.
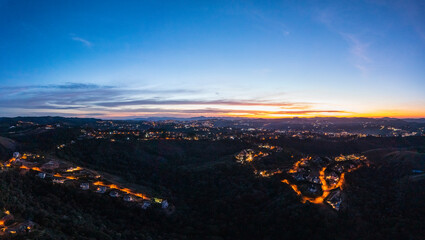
128 198
114 194
85 186
164 204
41 175
146 205
58 180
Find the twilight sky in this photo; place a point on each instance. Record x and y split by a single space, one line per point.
125 59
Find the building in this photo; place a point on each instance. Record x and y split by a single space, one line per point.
16 155
85 186
24 227
114 194
128 198
333 177
146 205
101 189
41 175
312 189
51 165
164 204
335 199
58 180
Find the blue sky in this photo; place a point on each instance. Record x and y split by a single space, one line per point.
111 59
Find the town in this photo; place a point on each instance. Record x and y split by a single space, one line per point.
174 174
321 180
315 179
60 172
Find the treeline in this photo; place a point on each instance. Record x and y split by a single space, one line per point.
386 202
216 198
337 146
152 163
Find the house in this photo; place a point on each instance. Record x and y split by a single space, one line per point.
58 180
24 227
146 205
335 200
16 155
114 194
312 189
128 198
41 175
101 189
313 179
51 165
299 177
333 177
164 204
85 186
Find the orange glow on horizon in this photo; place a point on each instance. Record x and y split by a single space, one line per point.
304 113
260 109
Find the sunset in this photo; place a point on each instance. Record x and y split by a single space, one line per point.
222 59
212 119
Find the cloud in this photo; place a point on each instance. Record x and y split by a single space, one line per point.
356 46
82 40
75 95
194 102
70 85
359 50
226 111
83 99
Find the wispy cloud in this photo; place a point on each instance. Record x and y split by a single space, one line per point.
195 102
359 51
83 99
357 47
82 40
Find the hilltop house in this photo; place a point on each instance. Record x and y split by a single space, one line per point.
312 189
128 198
114 194
333 176
101 189
58 180
146 205
51 165
41 175
16 155
85 186
24 227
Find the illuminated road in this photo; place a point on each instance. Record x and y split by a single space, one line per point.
325 186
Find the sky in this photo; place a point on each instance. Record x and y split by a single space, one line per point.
260 59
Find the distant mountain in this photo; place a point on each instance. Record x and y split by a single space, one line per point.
416 120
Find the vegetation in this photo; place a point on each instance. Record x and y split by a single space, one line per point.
216 197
